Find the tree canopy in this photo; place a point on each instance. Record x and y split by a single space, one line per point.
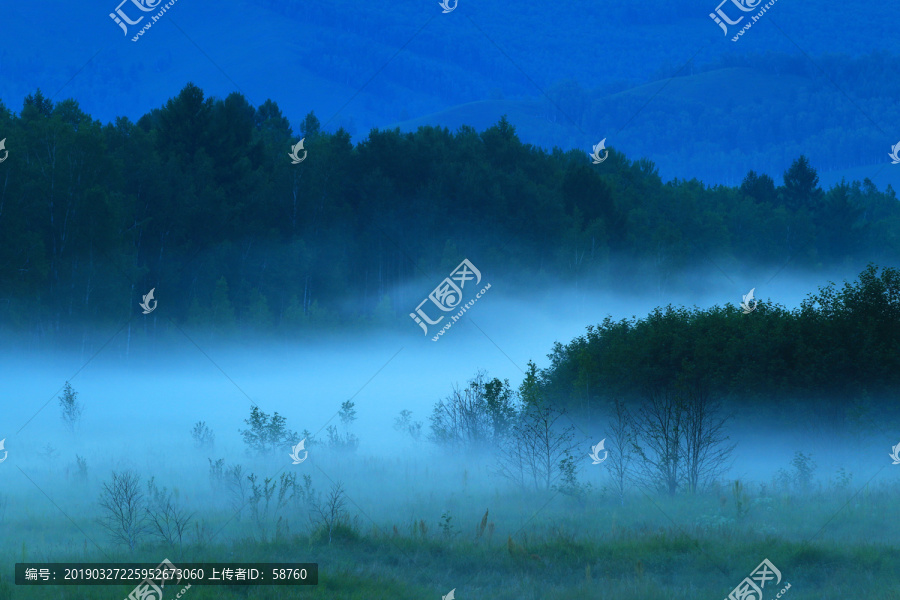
839 344
200 200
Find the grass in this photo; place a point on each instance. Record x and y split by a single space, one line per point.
430 531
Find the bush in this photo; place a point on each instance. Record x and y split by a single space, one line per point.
340 531
330 518
405 424
124 507
804 467
204 437
266 433
479 416
81 473
166 518
71 408
346 442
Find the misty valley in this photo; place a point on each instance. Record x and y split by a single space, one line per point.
630 463
449 300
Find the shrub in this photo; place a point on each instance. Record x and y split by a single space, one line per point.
331 520
166 518
204 437
266 433
405 424
479 416
71 408
82 469
124 507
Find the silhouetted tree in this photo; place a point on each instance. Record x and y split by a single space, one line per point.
801 186
759 187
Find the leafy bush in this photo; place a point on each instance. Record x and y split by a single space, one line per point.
71 408
405 424
339 532
804 466
204 437
839 344
346 442
267 433
475 417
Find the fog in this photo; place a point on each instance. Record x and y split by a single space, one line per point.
164 386
143 394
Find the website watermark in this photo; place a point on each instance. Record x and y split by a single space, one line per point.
749 303
123 20
295 149
723 20
148 588
448 296
595 452
751 588
595 154
895 153
148 298
295 452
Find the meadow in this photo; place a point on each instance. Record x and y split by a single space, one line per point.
419 524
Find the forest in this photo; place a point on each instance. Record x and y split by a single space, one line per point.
200 196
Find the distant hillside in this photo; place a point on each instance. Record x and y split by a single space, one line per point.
755 105
728 86
758 121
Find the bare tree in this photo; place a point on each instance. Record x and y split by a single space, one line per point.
167 519
216 474
538 454
261 505
658 431
237 487
514 461
621 447
333 510
81 474
704 452
123 503
680 436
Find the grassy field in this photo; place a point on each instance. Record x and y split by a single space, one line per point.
414 528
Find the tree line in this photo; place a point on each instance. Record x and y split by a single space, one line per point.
836 350
199 200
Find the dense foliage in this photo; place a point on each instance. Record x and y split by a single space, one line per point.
839 345
199 200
